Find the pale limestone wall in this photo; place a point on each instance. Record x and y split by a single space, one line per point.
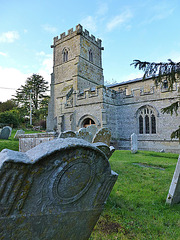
90 73
128 122
77 73
111 121
145 85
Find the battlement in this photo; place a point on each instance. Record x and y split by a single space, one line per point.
77 31
142 91
104 94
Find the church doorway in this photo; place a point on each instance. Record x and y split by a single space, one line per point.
87 122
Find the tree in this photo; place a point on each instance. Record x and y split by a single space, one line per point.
7 105
9 118
33 92
159 72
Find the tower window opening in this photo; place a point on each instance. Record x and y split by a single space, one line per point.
165 84
90 56
65 55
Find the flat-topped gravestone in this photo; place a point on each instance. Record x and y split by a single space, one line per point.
28 141
92 129
174 190
67 134
103 135
18 133
56 190
134 143
5 132
83 133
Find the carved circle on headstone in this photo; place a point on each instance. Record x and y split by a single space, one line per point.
74 180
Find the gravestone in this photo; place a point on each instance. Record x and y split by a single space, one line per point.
28 141
92 129
5 132
174 190
103 135
134 143
18 133
67 134
103 147
56 190
83 133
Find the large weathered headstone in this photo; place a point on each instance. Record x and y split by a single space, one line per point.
103 135
56 190
6 132
134 143
18 133
174 190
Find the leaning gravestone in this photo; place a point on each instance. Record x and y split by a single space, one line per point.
92 129
83 133
103 135
134 143
67 134
174 190
5 132
56 190
103 147
18 133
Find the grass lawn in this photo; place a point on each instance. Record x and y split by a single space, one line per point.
12 143
136 207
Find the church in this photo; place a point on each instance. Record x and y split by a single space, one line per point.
79 97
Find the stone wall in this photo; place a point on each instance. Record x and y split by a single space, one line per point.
128 121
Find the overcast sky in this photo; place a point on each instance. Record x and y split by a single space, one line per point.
132 29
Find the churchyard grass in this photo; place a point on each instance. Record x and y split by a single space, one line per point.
136 208
12 143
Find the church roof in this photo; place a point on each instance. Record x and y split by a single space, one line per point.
126 82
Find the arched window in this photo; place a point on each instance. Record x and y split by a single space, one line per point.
65 55
146 120
146 124
153 123
90 56
140 124
87 122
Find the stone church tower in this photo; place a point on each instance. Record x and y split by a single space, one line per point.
77 65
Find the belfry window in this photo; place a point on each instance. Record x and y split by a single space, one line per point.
65 55
90 56
165 84
146 120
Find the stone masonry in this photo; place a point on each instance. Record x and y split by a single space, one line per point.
79 97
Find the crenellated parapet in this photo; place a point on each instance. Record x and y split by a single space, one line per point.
142 91
78 31
107 95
